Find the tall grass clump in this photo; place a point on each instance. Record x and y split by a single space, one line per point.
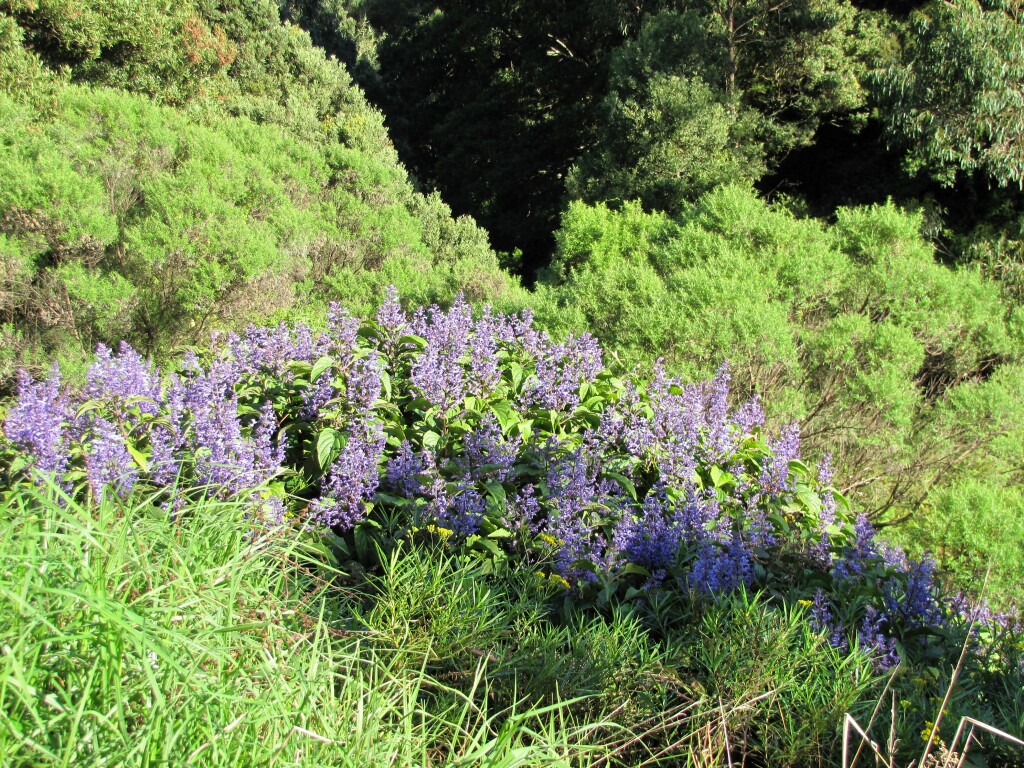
130 638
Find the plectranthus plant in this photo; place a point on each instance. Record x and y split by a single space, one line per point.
481 429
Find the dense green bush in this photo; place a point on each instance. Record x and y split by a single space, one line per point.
260 188
976 528
902 368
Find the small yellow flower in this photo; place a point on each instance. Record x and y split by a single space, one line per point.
927 732
554 578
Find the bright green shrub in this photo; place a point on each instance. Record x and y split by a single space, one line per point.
264 186
852 328
976 529
136 221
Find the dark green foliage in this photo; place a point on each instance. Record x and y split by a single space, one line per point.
954 97
668 143
147 47
793 63
491 102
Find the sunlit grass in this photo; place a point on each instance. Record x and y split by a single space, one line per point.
127 638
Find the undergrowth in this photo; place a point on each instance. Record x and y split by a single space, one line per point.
129 638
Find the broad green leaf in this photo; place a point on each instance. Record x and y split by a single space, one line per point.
320 366
327 448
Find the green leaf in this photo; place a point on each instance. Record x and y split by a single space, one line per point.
320 366
88 405
140 458
506 415
486 544
496 490
19 463
430 439
327 448
300 368
411 340
720 478
367 536
632 569
624 481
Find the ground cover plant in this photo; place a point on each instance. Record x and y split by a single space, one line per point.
639 499
131 638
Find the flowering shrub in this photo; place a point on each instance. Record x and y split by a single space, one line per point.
515 446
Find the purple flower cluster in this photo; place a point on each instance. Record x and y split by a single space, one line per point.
438 373
108 464
720 568
913 599
775 477
649 539
124 380
462 421
823 620
227 460
36 423
562 368
352 479
864 552
873 637
124 406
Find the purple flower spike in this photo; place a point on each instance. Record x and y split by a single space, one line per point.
562 369
856 558
226 459
873 638
483 366
650 540
402 471
720 439
718 569
352 479
750 415
390 316
822 620
108 463
36 422
364 383
465 512
438 373
775 478
126 375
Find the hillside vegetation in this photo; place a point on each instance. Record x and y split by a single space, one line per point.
165 175
720 441
585 525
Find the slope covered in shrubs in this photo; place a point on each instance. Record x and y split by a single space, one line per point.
169 171
907 371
